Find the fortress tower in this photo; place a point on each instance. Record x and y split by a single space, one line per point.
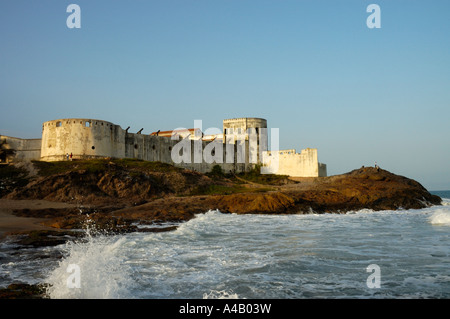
249 129
242 145
84 138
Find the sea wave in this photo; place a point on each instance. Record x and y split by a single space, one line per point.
440 217
99 265
232 256
222 294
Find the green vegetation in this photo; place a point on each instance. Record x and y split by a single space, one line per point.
225 190
255 176
100 165
216 173
51 168
221 183
146 165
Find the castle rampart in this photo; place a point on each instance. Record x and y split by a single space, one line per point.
13 149
83 138
241 146
91 138
289 162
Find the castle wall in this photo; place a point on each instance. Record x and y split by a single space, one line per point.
19 149
88 138
322 170
231 157
148 147
242 146
289 162
202 156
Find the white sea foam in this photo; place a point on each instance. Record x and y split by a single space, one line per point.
440 217
103 274
218 256
214 294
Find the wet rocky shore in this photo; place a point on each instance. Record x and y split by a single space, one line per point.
134 196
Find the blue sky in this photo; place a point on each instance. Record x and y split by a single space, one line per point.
313 69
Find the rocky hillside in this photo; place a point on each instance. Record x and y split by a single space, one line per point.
116 195
101 182
368 187
364 188
120 192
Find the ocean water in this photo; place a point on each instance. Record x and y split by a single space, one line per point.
363 254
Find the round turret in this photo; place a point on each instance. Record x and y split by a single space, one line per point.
240 125
251 130
83 138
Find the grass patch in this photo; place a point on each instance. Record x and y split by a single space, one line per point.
255 176
225 190
100 166
52 168
145 165
216 173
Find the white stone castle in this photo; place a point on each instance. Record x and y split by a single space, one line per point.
242 145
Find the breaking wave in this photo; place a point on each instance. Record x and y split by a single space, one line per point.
228 256
93 268
440 217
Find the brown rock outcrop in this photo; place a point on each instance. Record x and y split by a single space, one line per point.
112 184
363 188
369 187
118 196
